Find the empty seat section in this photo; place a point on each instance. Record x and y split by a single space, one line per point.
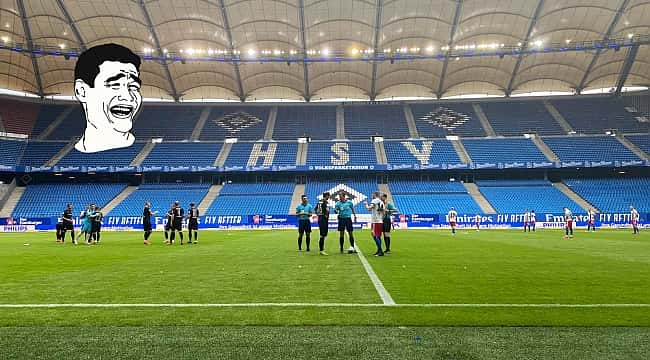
520 117
614 195
589 148
595 115
46 116
432 197
11 150
245 123
316 121
73 126
183 154
168 122
516 196
251 199
641 141
267 154
161 197
114 157
17 116
435 120
364 121
503 150
421 152
353 153
37 153
49 200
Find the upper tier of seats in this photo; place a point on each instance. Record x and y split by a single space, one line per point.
589 148
315 121
520 117
37 153
364 121
161 197
262 154
503 150
517 196
641 141
339 153
49 200
46 116
17 116
244 122
595 115
73 126
168 122
114 157
421 152
249 199
432 197
182 154
614 195
439 120
10 151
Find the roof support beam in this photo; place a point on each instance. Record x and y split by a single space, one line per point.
303 41
627 66
72 24
520 58
231 48
609 32
452 33
163 61
30 46
375 44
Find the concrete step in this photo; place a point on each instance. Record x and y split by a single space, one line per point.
61 154
485 123
541 145
223 155
209 198
380 153
55 124
137 161
298 191
270 125
118 199
11 202
559 118
633 148
584 204
482 202
196 133
410 122
301 156
461 151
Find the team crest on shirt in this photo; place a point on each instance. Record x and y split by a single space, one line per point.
445 118
350 194
237 121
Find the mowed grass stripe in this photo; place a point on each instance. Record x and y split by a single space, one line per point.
243 305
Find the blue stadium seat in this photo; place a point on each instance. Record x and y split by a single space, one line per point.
46 116
37 153
242 122
520 117
11 150
115 157
595 115
183 154
285 153
73 126
516 196
503 150
435 120
614 195
359 153
641 141
161 197
49 200
364 121
589 148
442 152
315 121
434 197
251 199
168 122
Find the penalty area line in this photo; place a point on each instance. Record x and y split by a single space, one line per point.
318 305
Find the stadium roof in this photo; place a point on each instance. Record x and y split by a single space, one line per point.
323 29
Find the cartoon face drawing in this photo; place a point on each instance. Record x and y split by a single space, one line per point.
107 84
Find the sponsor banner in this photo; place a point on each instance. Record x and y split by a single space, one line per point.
178 169
207 168
543 165
602 164
455 166
16 228
343 167
7 168
632 163
570 164
153 168
486 166
513 165
100 169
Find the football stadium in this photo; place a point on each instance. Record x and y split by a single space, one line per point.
324 179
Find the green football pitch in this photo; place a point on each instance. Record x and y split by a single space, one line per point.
489 294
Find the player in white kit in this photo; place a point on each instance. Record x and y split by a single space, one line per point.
452 215
591 218
526 220
376 208
634 219
568 224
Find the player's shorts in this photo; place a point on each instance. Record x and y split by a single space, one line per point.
387 225
591 222
304 226
68 226
177 226
193 225
95 228
377 229
59 227
526 223
85 227
634 222
452 223
146 226
323 226
345 224
569 224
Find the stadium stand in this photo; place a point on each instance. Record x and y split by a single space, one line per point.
168 122
46 115
250 199
182 154
11 151
115 157
432 197
284 154
641 141
161 197
589 148
520 117
639 102
17 116
358 191
49 200
614 195
596 115
503 150
515 196
364 121
245 123
37 153
73 126
329 153
439 120
315 121
432 152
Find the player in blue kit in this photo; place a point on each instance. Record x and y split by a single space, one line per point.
304 211
345 209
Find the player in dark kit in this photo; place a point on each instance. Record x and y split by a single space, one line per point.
68 224
168 224
192 224
323 212
146 222
177 222
59 230
96 225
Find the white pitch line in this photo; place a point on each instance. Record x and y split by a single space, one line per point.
318 305
379 286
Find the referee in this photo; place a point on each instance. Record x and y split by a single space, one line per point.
345 209
304 211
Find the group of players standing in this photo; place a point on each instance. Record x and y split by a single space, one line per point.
175 216
381 221
91 224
